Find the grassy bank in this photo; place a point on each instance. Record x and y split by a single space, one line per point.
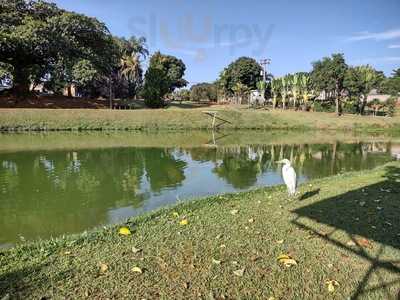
344 228
184 119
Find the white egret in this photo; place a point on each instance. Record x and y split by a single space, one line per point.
289 176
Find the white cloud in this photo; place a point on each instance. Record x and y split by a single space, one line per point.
377 36
394 46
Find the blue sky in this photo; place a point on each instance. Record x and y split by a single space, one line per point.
209 34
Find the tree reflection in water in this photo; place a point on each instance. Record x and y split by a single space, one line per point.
48 193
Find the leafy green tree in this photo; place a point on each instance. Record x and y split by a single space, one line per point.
328 76
391 85
203 92
244 70
396 73
156 86
359 81
181 95
173 67
36 35
163 76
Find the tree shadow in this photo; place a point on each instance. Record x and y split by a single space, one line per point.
371 213
189 105
309 194
20 283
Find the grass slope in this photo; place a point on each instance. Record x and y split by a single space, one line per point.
344 228
182 119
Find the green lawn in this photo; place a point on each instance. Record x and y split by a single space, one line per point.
183 119
344 228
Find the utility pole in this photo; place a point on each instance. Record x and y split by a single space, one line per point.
264 62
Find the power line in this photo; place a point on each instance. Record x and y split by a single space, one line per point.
264 62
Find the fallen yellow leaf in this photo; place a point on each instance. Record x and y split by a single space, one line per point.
239 272
124 231
331 285
137 270
234 211
280 242
175 214
216 262
184 222
286 260
136 250
103 268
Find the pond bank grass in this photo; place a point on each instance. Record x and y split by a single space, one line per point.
184 119
344 228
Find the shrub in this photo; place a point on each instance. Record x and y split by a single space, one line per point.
203 92
391 106
324 106
350 107
156 86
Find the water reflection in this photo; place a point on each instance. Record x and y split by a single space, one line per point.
48 193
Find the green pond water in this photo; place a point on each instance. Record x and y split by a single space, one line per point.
59 183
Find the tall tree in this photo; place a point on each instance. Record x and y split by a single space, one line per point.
36 35
328 76
391 85
164 75
244 70
359 81
173 67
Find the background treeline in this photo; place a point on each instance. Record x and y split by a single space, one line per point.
43 45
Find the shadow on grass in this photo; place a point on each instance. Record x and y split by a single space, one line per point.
371 213
309 194
189 105
18 284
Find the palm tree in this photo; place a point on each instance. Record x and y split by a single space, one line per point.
306 93
240 90
130 66
284 90
275 87
295 88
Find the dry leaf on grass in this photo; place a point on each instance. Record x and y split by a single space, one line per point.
124 231
234 211
286 260
103 268
137 270
331 285
136 250
216 262
239 272
184 222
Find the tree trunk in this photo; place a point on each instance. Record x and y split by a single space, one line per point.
20 82
363 104
69 91
338 108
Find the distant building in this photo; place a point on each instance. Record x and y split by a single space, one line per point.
381 97
72 89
